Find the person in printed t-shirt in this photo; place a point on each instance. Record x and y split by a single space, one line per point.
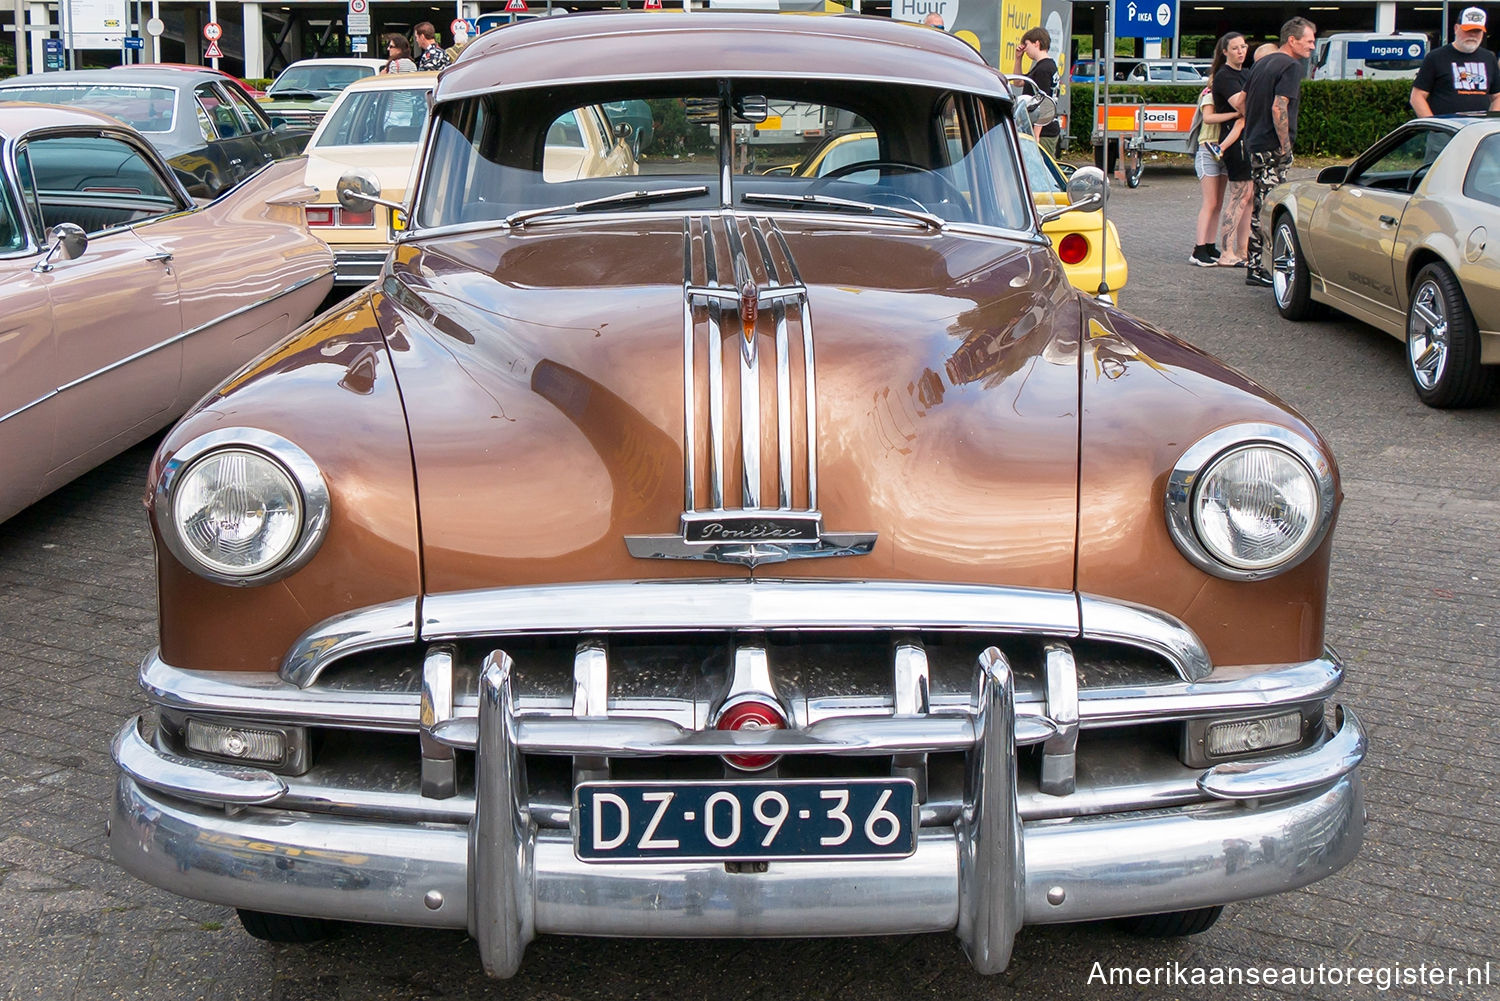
1460 76
432 56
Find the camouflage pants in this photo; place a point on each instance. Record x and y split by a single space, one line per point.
1266 171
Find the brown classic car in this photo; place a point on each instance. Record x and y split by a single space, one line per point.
706 553
124 300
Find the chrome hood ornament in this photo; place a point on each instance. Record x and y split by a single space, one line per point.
750 533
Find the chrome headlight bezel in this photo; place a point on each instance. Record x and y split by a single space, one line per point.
292 460
1186 477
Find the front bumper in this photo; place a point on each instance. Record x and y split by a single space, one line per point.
1261 827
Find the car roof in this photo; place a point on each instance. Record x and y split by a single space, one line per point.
602 47
338 61
394 81
133 77
17 118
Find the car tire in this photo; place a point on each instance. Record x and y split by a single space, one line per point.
286 928
1135 166
1442 343
1173 924
1290 282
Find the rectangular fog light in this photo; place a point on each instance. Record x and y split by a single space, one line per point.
1249 735
240 743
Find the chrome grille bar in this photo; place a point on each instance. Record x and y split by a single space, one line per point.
811 390
783 381
689 411
715 375
749 377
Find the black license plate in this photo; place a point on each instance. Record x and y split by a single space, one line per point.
744 821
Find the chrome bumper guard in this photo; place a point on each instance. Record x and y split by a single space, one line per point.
1269 825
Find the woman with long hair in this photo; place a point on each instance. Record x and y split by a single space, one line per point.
1209 164
398 52
1227 78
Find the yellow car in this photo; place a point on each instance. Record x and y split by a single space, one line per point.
375 126
1087 253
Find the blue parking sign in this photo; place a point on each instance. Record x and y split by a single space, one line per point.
1144 19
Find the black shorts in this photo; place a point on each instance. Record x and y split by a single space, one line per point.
1236 163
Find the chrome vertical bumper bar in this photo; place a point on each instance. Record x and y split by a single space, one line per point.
991 863
502 839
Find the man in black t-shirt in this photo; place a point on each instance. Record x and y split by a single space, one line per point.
1270 99
1043 73
1460 76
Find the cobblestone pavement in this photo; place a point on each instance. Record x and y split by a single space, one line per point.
1415 611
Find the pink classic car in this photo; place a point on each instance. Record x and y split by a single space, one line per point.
125 301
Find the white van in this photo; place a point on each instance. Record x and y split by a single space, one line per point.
1368 55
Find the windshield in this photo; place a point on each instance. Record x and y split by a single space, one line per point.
526 156
320 79
372 117
145 109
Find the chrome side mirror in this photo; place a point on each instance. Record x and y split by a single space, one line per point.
1087 190
65 242
623 130
359 191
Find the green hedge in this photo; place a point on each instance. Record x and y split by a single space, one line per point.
1337 117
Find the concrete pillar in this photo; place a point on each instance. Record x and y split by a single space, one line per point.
192 34
38 14
23 57
1385 16
255 42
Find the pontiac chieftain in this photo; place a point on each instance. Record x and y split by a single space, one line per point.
705 553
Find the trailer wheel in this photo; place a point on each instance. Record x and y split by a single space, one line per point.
1134 167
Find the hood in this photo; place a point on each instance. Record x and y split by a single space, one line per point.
391 165
544 375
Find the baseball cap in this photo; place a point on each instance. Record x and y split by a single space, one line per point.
1472 19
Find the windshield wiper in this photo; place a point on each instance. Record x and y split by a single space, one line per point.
620 200
296 94
842 204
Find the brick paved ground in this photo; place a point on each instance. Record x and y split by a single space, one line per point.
1415 611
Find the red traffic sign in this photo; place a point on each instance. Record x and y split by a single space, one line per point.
516 5
212 31
359 6
213 51
458 27
653 4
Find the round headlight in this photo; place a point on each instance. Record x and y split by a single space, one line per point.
1250 501
238 511
1254 506
241 506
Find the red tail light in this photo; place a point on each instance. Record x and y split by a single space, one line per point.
349 218
751 715
1073 248
320 215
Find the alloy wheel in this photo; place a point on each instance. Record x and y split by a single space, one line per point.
1427 335
1283 265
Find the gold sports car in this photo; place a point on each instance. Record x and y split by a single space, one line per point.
1398 239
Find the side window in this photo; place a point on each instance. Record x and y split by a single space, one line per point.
225 123
98 182
12 233
1401 166
254 119
29 203
1483 180
566 132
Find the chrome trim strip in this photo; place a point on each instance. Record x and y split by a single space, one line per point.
1285 773
810 387
362 629
991 860
502 837
783 375
1164 860
1059 765
1229 690
157 347
192 778
689 381
304 472
439 769
686 605
715 373
1147 628
1183 483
